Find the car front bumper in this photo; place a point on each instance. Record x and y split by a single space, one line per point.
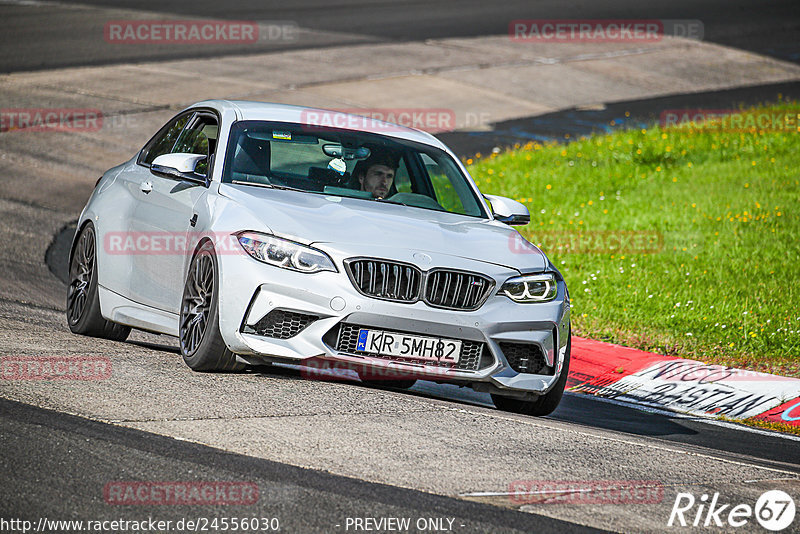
250 290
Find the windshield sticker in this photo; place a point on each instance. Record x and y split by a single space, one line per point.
286 136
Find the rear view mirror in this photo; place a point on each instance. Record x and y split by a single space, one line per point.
509 211
346 152
180 166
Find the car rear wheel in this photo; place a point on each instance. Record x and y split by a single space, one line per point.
545 404
83 303
201 343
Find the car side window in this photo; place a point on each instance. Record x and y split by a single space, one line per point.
452 193
165 140
199 137
402 182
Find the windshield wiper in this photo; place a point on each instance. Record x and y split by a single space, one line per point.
270 186
287 188
387 201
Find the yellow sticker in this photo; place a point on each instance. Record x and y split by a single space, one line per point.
286 136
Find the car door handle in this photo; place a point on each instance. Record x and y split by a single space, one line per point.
147 186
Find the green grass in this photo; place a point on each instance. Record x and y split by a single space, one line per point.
722 287
768 425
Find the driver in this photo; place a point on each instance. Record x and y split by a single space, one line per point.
376 173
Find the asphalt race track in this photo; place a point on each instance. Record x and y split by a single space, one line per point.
303 499
323 452
56 34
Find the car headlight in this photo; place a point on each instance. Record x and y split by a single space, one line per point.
531 288
284 253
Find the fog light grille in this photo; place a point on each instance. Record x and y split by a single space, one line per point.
525 358
280 324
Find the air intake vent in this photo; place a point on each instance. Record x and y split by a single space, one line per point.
525 358
456 290
385 280
280 324
401 282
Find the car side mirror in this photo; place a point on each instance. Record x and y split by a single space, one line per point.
509 211
180 166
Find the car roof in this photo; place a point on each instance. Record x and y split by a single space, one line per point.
266 111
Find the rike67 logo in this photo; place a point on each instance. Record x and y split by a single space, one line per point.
774 510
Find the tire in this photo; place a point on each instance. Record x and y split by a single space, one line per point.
545 404
201 343
83 303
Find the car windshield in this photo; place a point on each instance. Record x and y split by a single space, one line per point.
349 164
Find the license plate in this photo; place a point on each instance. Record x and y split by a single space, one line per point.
402 345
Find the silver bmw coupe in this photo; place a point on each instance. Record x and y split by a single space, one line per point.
260 233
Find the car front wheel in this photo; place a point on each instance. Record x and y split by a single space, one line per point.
545 404
201 343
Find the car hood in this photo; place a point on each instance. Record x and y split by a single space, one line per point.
318 218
